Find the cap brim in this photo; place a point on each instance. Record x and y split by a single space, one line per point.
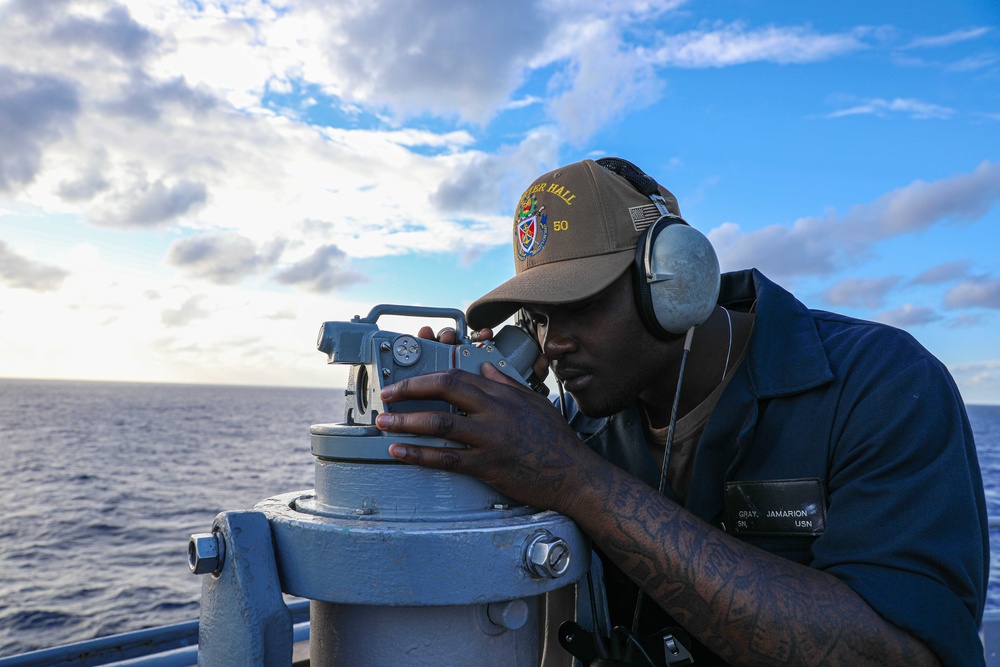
554 282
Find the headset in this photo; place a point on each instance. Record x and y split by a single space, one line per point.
676 276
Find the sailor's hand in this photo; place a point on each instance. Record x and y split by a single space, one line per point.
517 441
449 336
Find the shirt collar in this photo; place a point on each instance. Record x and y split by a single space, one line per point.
786 354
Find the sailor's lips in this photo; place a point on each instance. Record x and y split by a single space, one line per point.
574 380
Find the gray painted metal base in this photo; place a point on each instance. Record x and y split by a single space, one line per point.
244 619
384 591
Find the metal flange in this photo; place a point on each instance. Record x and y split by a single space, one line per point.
413 563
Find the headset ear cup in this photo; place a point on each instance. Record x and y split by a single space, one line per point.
643 293
688 288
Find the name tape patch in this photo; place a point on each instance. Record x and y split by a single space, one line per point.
776 507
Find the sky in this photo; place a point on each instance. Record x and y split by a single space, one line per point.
189 188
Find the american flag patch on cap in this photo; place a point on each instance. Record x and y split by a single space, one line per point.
643 216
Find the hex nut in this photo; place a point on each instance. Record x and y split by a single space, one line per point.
206 553
547 557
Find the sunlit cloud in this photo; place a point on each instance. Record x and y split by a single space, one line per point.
966 320
821 246
973 63
193 308
978 373
735 44
943 273
323 271
980 293
948 39
907 316
860 292
22 272
908 107
390 55
35 110
224 258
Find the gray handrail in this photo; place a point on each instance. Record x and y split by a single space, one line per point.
137 645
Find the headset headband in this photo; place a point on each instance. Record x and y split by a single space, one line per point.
648 186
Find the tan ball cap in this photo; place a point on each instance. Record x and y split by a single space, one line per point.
575 230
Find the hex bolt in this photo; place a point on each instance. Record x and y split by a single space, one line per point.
206 553
509 615
546 556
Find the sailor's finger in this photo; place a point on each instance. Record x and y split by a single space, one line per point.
460 388
447 425
440 458
447 335
482 334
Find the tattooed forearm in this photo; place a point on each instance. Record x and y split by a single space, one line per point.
749 606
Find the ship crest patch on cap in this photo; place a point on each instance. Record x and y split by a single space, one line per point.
530 228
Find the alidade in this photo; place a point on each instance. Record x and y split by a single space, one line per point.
379 358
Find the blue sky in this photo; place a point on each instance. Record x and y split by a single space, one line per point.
188 189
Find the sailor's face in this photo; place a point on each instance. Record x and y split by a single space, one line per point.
599 348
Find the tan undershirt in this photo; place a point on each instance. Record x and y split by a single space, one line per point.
687 432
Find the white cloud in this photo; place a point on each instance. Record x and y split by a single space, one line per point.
35 110
493 181
860 292
411 57
157 204
820 246
943 273
978 379
973 63
965 197
966 320
804 248
736 44
193 308
978 293
602 79
22 272
224 258
321 272
948 39
909 107
907 316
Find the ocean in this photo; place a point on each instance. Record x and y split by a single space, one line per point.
102 483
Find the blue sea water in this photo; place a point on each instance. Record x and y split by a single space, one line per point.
102 483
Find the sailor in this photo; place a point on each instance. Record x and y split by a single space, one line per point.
822 501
